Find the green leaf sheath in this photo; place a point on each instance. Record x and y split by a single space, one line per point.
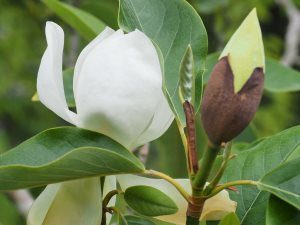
278 78
86 24
61 154
284 182
279 212
253 163
172 25
149 201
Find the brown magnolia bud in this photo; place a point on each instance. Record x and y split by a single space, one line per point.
224 113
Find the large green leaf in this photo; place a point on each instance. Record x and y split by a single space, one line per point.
253 163
279 212
172 25
86 24
278 78
149 201
284 182
61 154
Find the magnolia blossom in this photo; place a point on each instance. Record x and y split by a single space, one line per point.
117 86
118 92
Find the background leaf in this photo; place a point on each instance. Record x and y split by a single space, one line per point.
172 25
279 212
284 182
253 163
85 23
9 214
62 154
149 201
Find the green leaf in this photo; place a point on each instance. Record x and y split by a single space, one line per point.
253 163
284 182
86 24
61 154
68 88
279 212
187 77
230 219
172 25
149 201
278 78
136 220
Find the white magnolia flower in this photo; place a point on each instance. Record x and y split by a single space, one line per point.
118 92
117 86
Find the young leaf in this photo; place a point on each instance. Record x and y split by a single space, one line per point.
86 24
175 25
149 201
279 212
284 182
61 154
253 163
230 219
187 77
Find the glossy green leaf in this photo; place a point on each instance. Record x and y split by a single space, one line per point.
61 154
137 220
284 182
253 163
278 78
279 212
86 24
187 77
230 219
149 201
172 25
68 88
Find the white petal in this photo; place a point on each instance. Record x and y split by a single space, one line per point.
119 87
214 208
110 184
73 202
84 53
50 82
162 120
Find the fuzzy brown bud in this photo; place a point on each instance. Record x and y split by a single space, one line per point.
224 113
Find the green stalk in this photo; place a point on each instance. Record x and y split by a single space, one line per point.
205 169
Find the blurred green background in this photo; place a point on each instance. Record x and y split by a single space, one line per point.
22 43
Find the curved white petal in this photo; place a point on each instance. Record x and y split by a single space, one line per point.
49 81
110 184
68 203
162 120
119 87
214 208
84 53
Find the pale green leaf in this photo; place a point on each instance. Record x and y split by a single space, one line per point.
230 219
